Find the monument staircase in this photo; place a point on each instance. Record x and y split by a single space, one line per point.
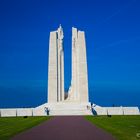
64 108
75 108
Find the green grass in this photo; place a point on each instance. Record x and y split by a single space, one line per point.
13 125
121 127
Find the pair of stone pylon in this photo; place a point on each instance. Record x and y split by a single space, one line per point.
78 91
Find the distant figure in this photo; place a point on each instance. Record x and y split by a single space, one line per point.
47 110
88 107
93 110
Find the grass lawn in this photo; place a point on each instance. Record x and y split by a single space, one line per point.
121 127
13 125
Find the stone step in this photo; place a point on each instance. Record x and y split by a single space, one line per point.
65 106
70 112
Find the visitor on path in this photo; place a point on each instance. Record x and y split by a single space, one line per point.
93 110
47 110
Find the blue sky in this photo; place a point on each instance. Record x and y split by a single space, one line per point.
113 48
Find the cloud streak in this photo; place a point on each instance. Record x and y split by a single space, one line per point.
118 11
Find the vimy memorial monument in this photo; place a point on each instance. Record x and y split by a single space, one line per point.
76 100
78 91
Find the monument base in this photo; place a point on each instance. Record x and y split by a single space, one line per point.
63 108
76 108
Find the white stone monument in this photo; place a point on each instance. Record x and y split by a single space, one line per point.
78 91
77 101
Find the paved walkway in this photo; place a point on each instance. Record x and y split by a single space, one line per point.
65 128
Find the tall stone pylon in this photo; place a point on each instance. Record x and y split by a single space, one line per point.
76 102
79 82
56 67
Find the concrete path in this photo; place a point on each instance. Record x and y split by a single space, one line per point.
65 128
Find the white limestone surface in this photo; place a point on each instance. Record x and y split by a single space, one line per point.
131 111
56 67
25 112
63 109
39 111
117 110
79 81
8 112
100 110
114 110
82 64
70 108
52 68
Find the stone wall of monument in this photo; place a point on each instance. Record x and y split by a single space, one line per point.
16 112
8 112
68 110
117 110
25 112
